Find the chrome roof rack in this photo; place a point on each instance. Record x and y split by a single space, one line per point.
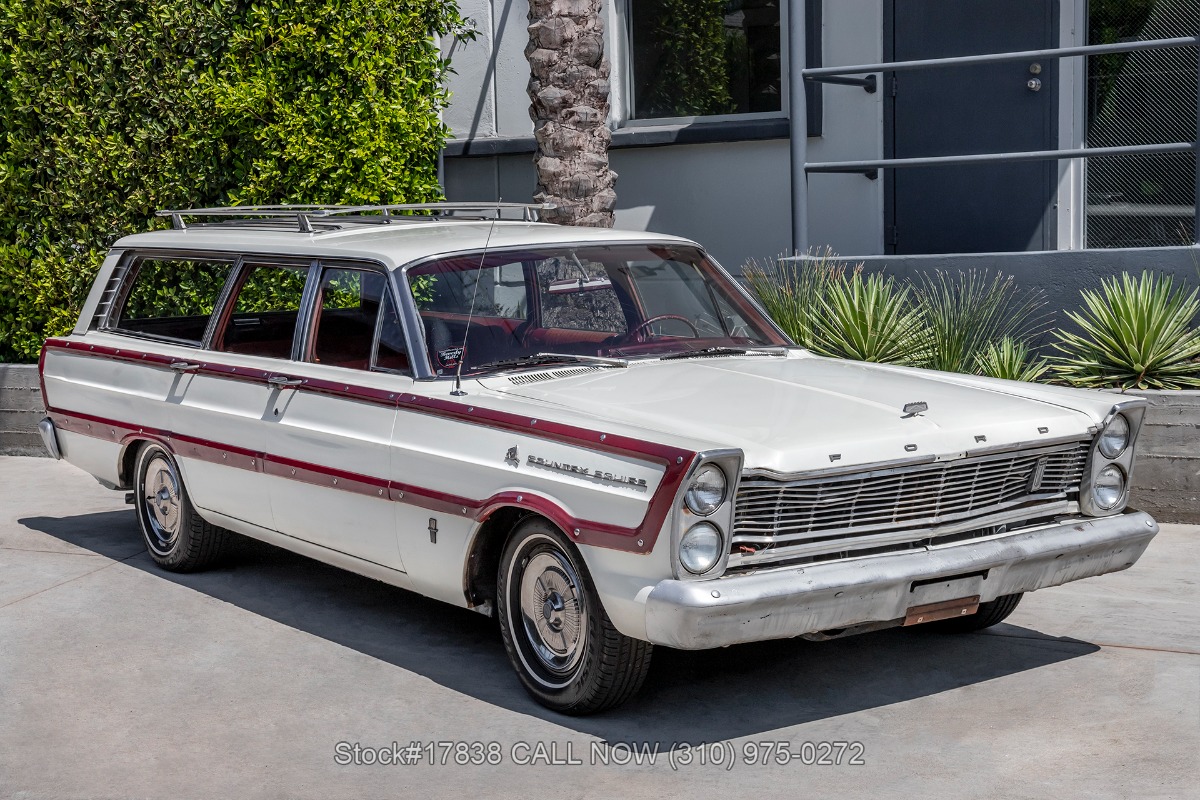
305 215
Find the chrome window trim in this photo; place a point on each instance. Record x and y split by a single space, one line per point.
409 305
210 330
125 274
317 277
302 335
247 261
237 260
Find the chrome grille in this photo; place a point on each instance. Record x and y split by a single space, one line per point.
778 520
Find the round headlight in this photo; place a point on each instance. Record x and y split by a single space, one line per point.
1115 437
1109 487
707 490
700 548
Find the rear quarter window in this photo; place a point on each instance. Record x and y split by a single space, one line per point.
171 298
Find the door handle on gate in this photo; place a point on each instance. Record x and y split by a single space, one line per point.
284 382
184 366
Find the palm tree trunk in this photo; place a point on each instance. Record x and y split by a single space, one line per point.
568 87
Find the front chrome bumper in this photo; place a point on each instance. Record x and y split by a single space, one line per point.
49 437
695 615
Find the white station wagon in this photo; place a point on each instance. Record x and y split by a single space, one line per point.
596 436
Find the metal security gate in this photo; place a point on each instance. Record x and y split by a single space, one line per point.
976 108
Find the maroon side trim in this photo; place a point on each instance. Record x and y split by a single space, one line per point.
599 534
676 461
328 477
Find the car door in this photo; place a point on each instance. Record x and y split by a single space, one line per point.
228 402
329 446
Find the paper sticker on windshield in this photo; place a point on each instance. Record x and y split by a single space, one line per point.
449 356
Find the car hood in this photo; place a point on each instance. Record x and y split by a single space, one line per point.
803 412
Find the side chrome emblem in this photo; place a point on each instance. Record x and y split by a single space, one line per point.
913 409
513 457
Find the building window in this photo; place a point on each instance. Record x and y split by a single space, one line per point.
694 58
1145 97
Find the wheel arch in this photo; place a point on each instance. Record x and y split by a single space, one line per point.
498 518
485 551
127 459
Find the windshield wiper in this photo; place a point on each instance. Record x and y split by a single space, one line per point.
538 359
727 351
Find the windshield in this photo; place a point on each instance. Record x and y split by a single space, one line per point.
619 301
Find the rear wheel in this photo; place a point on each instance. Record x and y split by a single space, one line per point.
566 651
177 537
991 613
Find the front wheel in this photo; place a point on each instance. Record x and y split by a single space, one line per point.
565 649
178 538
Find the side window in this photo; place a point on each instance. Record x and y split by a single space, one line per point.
171 298
266 304
348 310
578 295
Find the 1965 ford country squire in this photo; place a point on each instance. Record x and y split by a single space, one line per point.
596 436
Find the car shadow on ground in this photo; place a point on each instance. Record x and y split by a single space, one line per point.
692 697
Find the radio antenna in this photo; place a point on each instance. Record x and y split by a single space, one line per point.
458 390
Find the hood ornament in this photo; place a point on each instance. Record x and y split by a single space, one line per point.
913 409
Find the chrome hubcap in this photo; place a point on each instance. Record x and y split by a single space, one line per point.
160 491
553 612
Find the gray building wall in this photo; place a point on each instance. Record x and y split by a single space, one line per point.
1059 274
731 196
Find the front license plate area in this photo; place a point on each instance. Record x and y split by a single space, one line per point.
945 609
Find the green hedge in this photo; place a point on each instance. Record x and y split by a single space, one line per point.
111 109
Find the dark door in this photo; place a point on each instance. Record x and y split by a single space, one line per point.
972 109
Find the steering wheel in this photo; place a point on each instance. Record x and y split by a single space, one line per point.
645 325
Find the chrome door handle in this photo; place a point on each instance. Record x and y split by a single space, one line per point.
284 382
184 366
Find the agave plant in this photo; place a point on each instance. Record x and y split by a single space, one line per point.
869 318
966 312
791 291
1137 333
1011 359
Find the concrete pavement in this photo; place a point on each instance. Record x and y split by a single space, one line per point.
120 680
